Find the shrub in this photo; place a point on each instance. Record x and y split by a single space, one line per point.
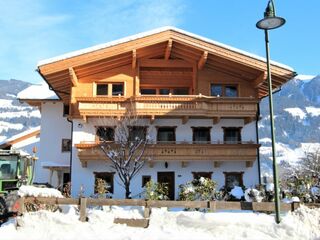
156 191
198 189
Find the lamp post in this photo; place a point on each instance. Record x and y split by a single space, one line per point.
269 22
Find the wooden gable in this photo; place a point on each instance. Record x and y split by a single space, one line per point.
163 49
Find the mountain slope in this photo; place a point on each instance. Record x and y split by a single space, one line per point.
15 117
297 120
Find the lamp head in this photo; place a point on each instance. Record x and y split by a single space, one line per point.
270 20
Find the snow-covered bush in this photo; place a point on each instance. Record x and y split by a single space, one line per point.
198 189
254 195
156 191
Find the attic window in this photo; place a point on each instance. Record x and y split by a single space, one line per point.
117 89
102 89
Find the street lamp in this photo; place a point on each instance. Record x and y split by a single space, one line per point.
269 22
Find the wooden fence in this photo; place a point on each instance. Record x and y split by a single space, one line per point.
148 204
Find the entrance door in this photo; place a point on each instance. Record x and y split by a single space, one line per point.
168 178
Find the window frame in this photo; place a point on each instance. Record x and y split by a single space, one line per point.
143 180
232 128
239 174
100 84
162 127
198 174
223 89
103 175
97 137
117 83
66 145
193 136
144 129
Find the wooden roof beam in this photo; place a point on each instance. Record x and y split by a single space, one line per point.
73 77
203 60
134 58
260 79
168 50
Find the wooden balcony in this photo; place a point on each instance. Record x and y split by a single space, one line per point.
181 151
170 106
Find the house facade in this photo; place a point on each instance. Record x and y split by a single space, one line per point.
197 99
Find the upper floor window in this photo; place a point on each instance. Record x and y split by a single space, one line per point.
105 133
148 91
224 90
107 89
166 134
201 134
165 91
117 89
137 133
232 134
102 89
65 145
66 110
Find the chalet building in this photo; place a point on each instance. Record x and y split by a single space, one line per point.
199 100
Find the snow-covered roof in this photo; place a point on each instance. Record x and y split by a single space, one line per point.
53 165
148 33
38 92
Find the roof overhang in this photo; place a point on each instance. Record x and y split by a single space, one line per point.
63 72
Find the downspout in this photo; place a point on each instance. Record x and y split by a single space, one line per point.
257 139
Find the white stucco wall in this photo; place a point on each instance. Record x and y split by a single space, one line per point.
28 144
86 132
54 128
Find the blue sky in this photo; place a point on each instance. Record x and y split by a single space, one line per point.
32 30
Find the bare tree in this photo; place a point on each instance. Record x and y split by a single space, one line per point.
124 145
310 165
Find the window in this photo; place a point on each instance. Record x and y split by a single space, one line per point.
233 179
198 175
216 90
105 133
224 90
117 89
137 133
180 91
102 89
107 176
166 134
201 134
164 91
145 179
231 91
232 135
147 91
66 109
65 145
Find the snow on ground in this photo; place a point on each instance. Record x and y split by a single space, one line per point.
265 140
296 112
301 224
28 191
313 111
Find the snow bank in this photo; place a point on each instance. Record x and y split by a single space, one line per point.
313 111
301 224
31 191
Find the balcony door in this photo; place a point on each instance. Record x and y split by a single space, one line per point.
168 178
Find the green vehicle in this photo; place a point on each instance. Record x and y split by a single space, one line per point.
16 169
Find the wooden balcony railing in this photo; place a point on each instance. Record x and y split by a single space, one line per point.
181 151
168 105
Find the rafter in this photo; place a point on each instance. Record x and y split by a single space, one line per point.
260 79
73 76
203 60
134 58
168 50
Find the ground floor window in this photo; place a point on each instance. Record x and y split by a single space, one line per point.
145 179
108 177
233 179
198 175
